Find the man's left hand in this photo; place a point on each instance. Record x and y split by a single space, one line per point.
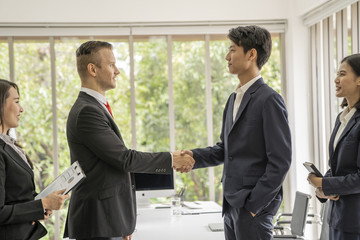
127 237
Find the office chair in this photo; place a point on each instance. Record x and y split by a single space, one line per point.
298 219
312 218
317 218
324 235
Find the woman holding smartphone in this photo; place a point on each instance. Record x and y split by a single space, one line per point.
341 183
19 212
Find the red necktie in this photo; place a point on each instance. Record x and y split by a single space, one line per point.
107 105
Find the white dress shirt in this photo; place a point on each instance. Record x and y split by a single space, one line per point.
98 96
240 91
345 117
11 142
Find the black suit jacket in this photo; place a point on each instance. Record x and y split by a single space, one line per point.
343 177
255 150
18 209
104 204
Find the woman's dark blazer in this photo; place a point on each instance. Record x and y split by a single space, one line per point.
18 209
343 177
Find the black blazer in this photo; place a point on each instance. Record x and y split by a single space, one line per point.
104 204
343 177
255 150
18 209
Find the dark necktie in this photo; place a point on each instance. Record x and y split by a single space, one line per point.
107 105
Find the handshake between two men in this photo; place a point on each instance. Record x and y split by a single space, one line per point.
183 161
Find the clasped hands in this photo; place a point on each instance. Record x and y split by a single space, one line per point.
317 183
183 161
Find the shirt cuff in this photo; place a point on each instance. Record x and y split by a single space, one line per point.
172 159
42 206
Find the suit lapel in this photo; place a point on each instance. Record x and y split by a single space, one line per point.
96 103
14 155
332 137
246 99
109 117
348 127
229 118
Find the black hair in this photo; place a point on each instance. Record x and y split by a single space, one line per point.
250 37
354 62
5 85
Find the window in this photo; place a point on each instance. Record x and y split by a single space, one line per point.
334 34
151 94
332 39
4 59
171 92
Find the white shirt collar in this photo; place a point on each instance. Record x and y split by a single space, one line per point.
346 115
98 96
244 88
11 142
7 138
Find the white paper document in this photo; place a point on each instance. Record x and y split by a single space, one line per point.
202 207
67 180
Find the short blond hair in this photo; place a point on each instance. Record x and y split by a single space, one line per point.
86 54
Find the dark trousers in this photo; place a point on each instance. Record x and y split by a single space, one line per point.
239 224
335 234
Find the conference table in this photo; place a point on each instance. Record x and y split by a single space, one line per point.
158 223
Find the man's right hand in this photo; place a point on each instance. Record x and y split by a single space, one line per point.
183 162
188 152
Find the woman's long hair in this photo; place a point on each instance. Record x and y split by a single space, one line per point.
5 86
4 94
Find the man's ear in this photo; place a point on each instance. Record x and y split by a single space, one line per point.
252 54
91 69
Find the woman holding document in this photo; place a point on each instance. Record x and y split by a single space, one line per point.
341 183
19 212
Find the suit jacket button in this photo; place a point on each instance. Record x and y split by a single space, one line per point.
230 158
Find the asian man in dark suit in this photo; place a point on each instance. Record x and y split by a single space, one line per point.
103 206
255 142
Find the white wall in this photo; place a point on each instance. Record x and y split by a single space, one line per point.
304 6
139 10
299 97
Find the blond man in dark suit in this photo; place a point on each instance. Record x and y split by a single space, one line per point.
104 206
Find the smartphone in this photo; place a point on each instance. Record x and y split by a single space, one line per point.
312 169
